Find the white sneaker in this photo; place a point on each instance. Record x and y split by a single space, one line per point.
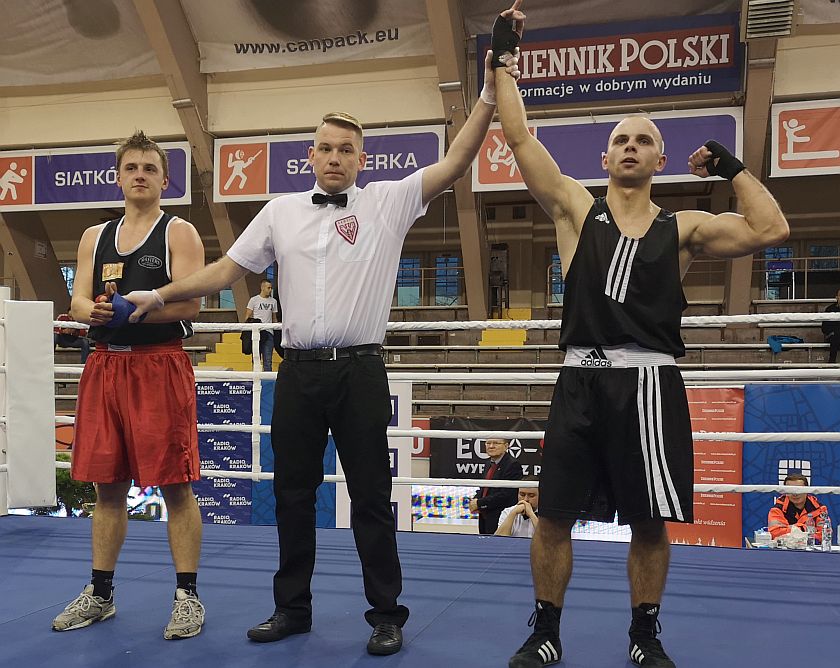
187 616
84 610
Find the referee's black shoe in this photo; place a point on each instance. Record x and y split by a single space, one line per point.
277 627
645 649
386 639
543 646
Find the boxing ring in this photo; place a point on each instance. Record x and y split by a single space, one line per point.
470 596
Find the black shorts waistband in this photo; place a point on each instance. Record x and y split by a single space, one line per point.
295 355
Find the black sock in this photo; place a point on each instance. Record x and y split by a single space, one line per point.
546 604
187 582
547 617
644 618
103 583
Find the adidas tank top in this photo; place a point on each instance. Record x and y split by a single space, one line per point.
621 290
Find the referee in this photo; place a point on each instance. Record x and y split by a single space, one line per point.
338 248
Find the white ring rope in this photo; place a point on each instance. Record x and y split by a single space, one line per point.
738 375
477 482
745 437
533 378
687 321
450 325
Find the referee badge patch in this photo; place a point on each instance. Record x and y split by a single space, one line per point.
348 228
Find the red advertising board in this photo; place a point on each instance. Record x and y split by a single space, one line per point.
717 517
420 444
805 138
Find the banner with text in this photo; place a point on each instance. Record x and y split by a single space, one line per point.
690 55
80 178
576 145
260 168
805 138
245 35
467 458
717 517
224 500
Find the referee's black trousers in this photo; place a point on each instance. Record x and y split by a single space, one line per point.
351 397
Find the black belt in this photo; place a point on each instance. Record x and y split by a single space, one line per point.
294 355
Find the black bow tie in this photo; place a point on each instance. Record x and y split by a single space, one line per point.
338 200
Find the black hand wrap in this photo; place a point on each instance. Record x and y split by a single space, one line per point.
504 40
728 166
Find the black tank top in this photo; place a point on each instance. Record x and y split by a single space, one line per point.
144 268
621 290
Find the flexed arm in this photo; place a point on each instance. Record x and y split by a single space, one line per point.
730 235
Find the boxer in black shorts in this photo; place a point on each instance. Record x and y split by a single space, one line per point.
619 435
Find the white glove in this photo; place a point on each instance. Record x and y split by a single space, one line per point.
146 301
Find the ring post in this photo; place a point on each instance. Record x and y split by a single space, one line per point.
29 404
5 295
256 401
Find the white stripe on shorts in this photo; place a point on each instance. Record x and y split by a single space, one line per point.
660 484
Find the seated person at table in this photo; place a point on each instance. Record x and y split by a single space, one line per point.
521 520
794 510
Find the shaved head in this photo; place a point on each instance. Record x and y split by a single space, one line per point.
638 125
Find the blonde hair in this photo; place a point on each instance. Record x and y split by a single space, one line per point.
344 120
140 142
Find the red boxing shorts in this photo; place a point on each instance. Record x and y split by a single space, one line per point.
136 417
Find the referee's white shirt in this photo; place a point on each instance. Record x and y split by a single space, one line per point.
337 266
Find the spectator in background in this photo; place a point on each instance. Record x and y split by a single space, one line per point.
489 502
831 330
521 520
795 509
65 337
263 307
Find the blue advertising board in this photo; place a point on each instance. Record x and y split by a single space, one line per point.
224 500
689 55
789 408
576 144
80 178
260 168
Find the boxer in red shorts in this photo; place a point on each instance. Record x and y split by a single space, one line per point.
136 409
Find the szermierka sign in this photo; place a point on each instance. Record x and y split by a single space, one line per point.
694 55
260 168
80 178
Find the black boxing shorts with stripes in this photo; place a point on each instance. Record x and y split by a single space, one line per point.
618 439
